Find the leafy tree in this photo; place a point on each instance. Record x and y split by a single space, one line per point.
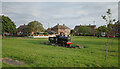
101 29
7 25
72 32
117 27
84 30
0 26
45 33
35 27
109 23
98 33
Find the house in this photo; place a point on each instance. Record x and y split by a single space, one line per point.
21 29
59 29
93 27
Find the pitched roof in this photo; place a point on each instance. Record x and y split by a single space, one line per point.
61 26
86 25
21 26
92 26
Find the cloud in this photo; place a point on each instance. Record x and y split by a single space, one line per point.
60 0
69 13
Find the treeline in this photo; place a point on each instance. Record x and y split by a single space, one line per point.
8 26
112 25
33 26
110 29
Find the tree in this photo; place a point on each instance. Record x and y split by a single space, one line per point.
7 25
45 33
98 33
101 29
84 30
72 32
117 27
0 26
109 22
35 27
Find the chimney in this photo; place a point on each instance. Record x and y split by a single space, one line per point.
89 24
24 24
63 24
58 24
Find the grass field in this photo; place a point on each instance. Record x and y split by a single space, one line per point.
35 54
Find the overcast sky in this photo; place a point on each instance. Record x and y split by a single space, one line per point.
52 13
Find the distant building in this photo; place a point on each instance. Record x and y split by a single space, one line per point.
21 29
59 29
93 27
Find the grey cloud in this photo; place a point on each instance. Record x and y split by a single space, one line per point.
69 13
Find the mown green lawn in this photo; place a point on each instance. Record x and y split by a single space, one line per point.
35 54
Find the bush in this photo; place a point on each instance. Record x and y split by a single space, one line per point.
45 33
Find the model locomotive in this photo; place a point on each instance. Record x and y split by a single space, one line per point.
61 40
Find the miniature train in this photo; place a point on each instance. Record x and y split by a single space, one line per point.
61 40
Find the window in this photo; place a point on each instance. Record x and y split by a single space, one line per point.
66 29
